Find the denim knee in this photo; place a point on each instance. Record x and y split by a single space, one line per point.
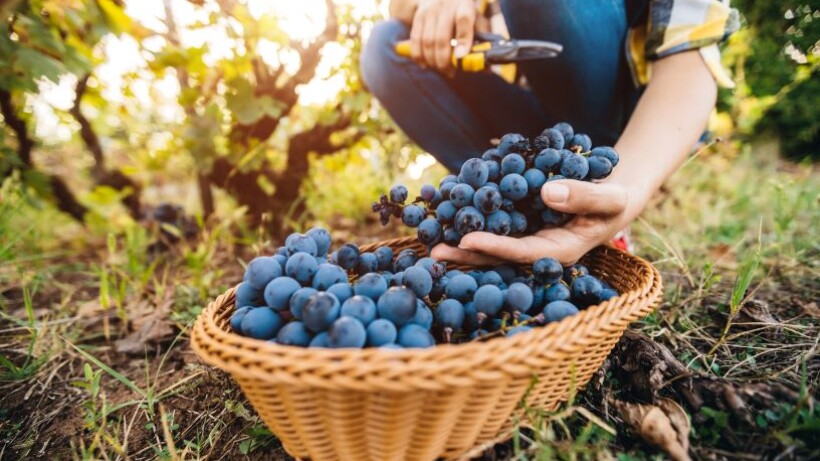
379 62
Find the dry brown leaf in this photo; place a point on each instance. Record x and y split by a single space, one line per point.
810 308
153 329
664 425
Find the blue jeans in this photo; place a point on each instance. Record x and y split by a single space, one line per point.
588 85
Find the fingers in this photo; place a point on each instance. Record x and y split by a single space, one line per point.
580 197
442 49
416 32
557 243
442 252
465 28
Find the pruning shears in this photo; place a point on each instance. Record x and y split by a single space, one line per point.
490 49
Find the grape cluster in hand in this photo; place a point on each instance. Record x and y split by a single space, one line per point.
501 191
305 296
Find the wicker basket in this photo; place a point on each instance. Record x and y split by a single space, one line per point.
449 401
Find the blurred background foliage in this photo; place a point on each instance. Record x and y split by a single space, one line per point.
113 107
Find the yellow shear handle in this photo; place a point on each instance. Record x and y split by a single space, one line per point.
472 62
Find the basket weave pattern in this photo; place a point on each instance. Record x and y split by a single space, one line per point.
448 401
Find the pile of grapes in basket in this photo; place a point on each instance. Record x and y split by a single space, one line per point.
303 296
501 191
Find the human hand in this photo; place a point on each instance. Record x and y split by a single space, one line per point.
600 209
435 24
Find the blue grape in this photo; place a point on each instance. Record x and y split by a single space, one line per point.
301 243
475 274
607 153
450 178
553 218
328 275
488 300
506 272
439 287
575 166
415 336
371 285
471 321
343 291
511 143
322 239
493 170
397 280
518 222
391 347
261 323
599 167
237 316
347 332
299 299
478 333
437 198
554 137
547 270
576 270
320 260
381 332
361 308
320 340
279 291
518 329
581 140
301 267
535 179
435 268
586 290
367 263
537 203
397 305
558 292
513 186
461 287
347 256
474 172
321 310
282 251
499 223
445 212
450 315
566 131
332 258
490 278
403 261
424 316
429 232
446 188
492 154
539 296
487 199
555 177
261 271
294 334
247 295
557 310
427 192
518 297
281 259
548 161
607 294
412 215
385 257
451 236
462 195
419 280
469 219
398 194
513 164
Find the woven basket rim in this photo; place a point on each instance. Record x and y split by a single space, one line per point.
252 358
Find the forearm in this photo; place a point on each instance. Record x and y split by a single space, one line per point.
670 117
403 10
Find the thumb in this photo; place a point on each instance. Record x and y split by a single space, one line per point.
465 28
580 197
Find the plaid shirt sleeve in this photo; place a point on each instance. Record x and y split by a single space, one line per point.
667 27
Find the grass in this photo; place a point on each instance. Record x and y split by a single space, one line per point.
734 234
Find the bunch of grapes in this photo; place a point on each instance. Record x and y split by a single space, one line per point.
303 296
501 191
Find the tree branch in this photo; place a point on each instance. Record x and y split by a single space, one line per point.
66 201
